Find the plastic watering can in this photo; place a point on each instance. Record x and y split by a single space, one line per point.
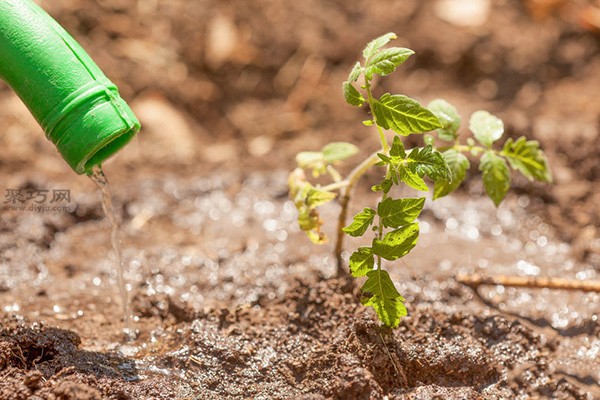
77 106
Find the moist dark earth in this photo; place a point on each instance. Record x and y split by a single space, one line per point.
229 299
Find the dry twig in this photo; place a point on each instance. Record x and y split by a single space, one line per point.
476 280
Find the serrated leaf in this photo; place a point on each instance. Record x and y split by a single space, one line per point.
427 161
361 222
361 261
412 179
351 95
403 115
458 164
385 186
448 117
374 45
338 151
397 243
384 159
526 157
397 149
386 61
355 73
486 127
399 212
384 298
317 197
496 176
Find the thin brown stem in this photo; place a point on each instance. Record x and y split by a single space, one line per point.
476 280
345 195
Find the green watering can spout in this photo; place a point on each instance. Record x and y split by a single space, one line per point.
77 106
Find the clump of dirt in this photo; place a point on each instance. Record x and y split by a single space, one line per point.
45 362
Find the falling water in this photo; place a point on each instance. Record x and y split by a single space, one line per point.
97 175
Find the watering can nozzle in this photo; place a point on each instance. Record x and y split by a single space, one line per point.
80 110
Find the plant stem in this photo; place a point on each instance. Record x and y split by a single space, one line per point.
335 175
345 194
384 148
335 186
388 173
370 100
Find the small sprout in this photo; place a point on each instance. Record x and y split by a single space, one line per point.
394 221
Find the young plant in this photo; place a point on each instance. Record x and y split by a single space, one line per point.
393 221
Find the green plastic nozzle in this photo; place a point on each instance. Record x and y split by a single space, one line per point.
77 106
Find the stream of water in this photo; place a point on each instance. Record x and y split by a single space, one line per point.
98 177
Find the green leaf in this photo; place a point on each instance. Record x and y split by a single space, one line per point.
397 149
397 243
411 178
374 45
526 157
316 236
448 117
338 151
306 198
430 162
486 127
317 197
458 164
386 61
384 186
355 73
381 294
361 261
496 176
403 115
352 96
400 173
361 222
396 213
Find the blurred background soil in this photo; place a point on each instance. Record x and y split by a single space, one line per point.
228 92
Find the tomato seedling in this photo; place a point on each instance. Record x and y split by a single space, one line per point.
442 161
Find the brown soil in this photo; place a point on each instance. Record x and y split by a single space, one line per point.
230 300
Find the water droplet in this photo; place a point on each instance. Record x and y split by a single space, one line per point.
270 225
527 268
496 230
542 241
451 224
523 201
472 233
